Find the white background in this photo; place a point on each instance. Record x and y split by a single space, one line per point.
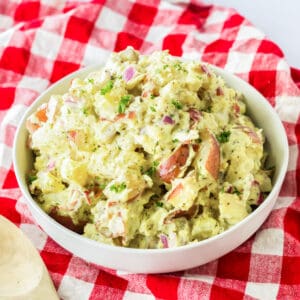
278 19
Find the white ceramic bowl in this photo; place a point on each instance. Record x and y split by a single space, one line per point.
172 259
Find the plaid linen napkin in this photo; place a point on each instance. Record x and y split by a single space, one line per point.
42 41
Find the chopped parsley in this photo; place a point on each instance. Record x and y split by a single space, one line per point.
31 178
118 188
91 80
85 110
152 170
236 191
153 108
178 66
223 137
175 141
165 66
159 204
123 103
152 96
107 88
177 104
102 186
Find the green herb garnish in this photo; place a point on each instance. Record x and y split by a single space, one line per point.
223 137
153 108
107 88
31 178
123 103
178 66
152 170
91 80
177 104
85 110
102 186
236 191
175 141
118 188
152 96
159 204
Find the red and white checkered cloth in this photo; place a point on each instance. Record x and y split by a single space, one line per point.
41 41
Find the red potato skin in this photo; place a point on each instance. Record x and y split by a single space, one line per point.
181 213
176 191
251 133
212 163
170 168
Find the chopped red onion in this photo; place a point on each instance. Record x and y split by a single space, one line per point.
129 73
168 120
164 240
229 190
205 70
260 198
195 114
51 165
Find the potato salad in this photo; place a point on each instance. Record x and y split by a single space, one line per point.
149 151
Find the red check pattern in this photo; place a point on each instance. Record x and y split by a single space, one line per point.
42 41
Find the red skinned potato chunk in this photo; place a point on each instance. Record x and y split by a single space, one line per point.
184 192
251 133
170 168
212 163
209 156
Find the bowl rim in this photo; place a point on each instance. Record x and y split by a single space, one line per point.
161 251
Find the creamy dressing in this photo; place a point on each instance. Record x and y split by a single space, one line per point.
148 152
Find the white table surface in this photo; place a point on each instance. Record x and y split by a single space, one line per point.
278 19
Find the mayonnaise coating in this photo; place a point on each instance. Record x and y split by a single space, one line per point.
148 152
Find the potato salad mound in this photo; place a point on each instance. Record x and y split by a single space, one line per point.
148 152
